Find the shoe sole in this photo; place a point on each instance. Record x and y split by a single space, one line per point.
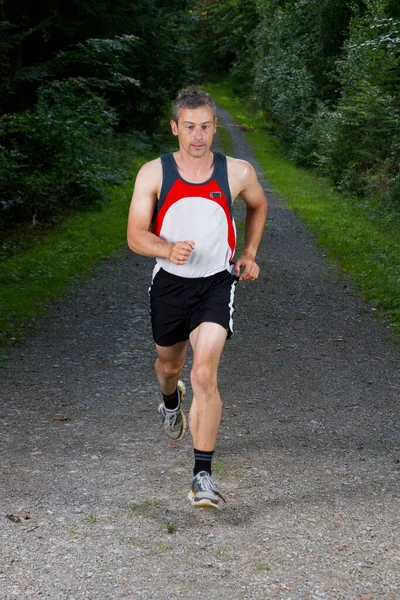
183 428
182 390
204 503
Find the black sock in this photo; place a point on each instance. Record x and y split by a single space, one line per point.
202 461
172 401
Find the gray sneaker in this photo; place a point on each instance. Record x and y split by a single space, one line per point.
203 493
174 421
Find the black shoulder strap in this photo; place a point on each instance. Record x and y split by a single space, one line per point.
221 175
169 176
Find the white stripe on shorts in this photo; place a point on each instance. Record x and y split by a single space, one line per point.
231 307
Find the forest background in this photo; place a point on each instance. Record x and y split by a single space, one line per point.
85 86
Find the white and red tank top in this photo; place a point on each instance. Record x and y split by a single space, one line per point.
201 212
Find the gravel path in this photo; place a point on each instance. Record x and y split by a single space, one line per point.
93 498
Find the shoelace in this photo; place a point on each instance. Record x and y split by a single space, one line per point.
169 418
207 485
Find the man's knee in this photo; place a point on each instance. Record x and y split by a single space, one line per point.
203 377
168 368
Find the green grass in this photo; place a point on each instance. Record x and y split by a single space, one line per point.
225 139
92 519
170 527
31 279
358 244
219 466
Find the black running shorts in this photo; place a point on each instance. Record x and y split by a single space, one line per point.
179 304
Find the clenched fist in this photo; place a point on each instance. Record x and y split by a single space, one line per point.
180 252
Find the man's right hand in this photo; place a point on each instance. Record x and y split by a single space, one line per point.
180 252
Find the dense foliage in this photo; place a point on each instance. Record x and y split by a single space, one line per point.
327 74
71 73
357 141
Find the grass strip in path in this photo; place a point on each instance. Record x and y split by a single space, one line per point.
30 280
357 245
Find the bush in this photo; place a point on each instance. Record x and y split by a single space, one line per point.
298 42
283 85
358 142
51 159
245 24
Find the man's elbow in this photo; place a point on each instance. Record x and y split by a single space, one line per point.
132 241
260 209
263 207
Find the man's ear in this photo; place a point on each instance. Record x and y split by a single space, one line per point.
174 126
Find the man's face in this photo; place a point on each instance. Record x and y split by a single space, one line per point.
195 130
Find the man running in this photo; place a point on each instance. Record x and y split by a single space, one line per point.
181 214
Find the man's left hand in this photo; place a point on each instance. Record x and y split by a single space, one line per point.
249 266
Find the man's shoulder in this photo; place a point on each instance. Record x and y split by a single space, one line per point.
237 162
152 168
238 168
149 178
152 164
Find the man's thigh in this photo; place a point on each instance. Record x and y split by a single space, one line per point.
168 309
174 356
215 303
207 341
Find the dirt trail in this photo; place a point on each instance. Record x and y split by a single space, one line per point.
307 456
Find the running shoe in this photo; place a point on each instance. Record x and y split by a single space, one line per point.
174 421
203 493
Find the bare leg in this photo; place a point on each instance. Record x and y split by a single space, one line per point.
207 342
169 365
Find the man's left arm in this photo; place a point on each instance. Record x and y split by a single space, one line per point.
253 196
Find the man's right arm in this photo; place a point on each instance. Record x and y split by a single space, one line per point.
144 199
140 239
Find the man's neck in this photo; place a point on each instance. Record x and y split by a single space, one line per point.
194 169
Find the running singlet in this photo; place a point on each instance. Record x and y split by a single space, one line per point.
201 212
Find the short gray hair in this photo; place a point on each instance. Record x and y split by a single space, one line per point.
192 97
